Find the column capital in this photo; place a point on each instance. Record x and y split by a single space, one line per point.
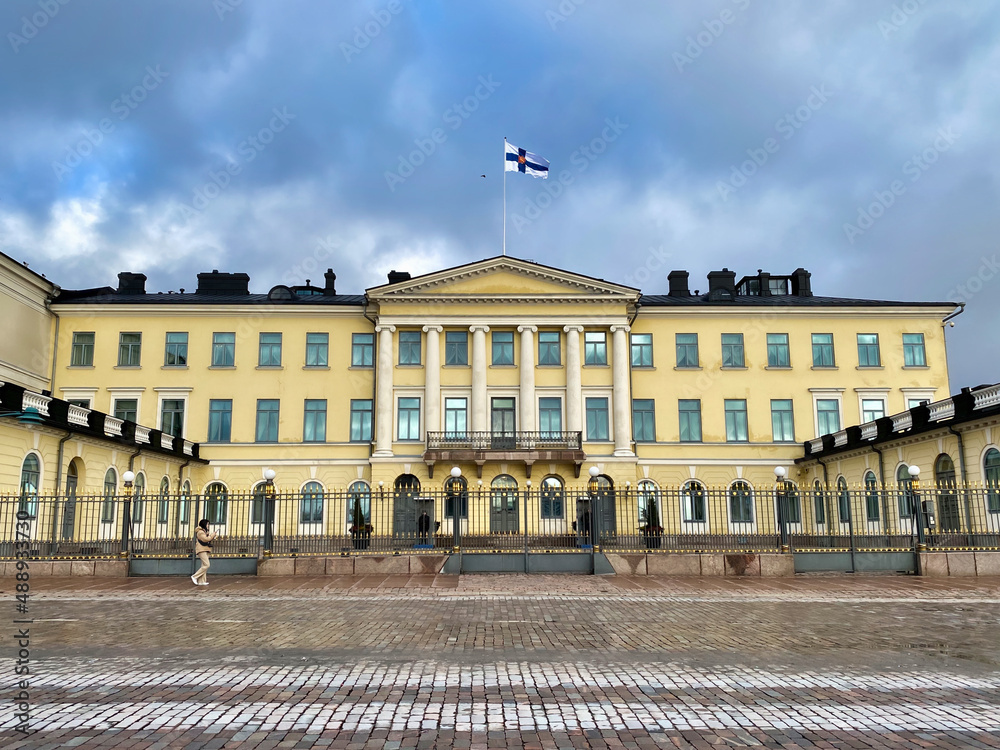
529 329
435 328
621 327
380 328
573 329
483 328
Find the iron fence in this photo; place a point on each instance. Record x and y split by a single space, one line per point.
692 518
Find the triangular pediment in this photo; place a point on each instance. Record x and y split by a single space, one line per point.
502 277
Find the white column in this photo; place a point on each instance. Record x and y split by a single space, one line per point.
574 388
383 395
527 378
432 380
621 397
480 413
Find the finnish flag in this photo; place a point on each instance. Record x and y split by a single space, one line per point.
519 160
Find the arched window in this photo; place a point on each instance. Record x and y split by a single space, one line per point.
553 498
819 502
138 498
650 517
216 503
503 482
163 506
503 505
949 515
991 474
843 501
693 508
407 485
359 504
184 508
944 471
311 505
871 497
456 491
740 502
905 486
793 505
259 494
110 491
30 474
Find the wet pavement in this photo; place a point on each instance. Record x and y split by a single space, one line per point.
510 661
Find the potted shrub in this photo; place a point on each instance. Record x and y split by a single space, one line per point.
652 531
361 532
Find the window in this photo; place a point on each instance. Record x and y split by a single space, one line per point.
690 420
456 348
687 349
548 348
913 403
872 409
597 419
220 420
991 473
643 420
184 506
693 508
732 350
503 347
409 347
905 486
257 507
223 350
827 416
782 421
648 500
736 421
317 349
550 417
819 503
110 493
177 350
553 504
595 348
868 350
871 497
163 507
362 350
361 420
843 501
777 350
455 418
172 417
822 344
740 503
216 502
456 491
913 350
139 500
793 508
314 421
129 349
127 409
83 403
269 354
267 420
359 504
311 504
642 350
409 419
83 350
30 474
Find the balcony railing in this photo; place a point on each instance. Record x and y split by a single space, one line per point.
504 441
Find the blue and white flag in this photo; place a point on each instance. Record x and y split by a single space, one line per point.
519 160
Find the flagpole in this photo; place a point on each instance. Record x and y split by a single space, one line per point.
505 195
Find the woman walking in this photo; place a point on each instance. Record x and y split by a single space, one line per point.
202 546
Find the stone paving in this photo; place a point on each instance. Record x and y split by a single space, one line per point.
512 661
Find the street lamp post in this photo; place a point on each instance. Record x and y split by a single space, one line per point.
269 475
914 472
782 495
127 479
456 508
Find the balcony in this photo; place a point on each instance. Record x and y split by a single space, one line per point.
480 447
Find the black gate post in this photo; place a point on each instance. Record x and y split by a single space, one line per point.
128 476
524 529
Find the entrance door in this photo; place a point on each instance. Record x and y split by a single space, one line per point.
503 505
502 424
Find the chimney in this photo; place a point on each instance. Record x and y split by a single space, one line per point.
678 284
331 280
396 276
131 283
225 284
721 285
764 279
801 284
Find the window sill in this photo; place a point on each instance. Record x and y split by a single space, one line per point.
734 367
457 367
315 367
778 367
609 441
222 367
405 366
916 367
174 367
128 367
269 367
685 367
503 367
79 367
548 367
649 368
361 367
869 367
825 367
596 367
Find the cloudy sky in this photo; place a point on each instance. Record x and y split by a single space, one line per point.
858 139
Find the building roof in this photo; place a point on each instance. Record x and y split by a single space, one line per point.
109 296
791 300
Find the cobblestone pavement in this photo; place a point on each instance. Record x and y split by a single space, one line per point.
511 661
